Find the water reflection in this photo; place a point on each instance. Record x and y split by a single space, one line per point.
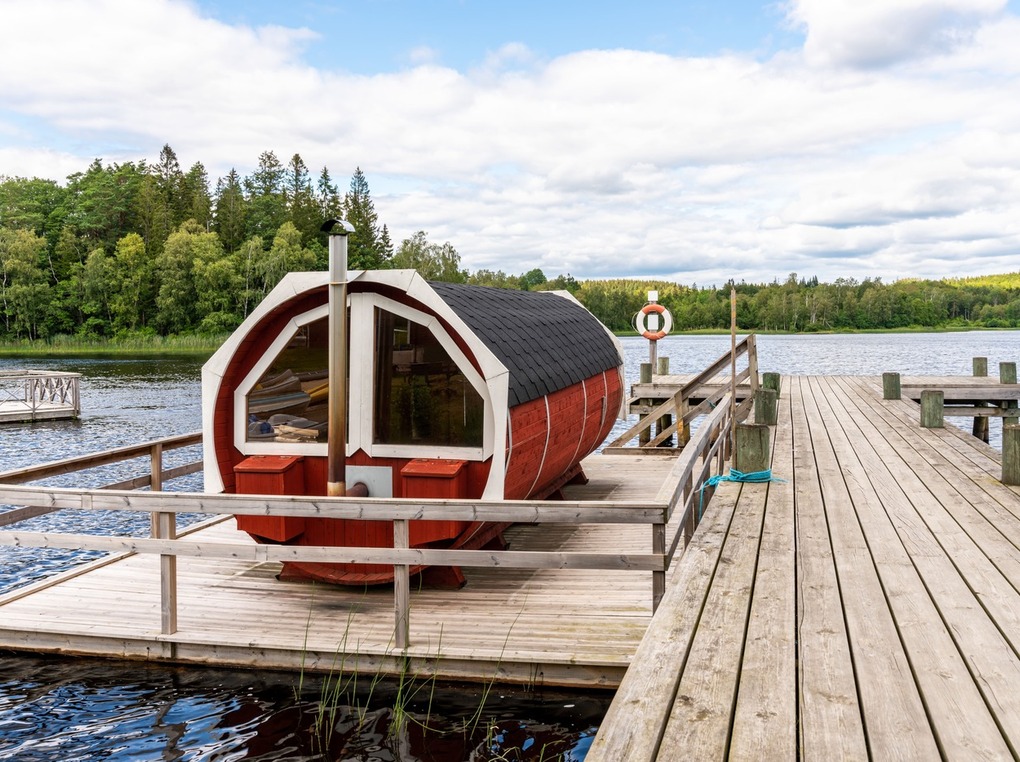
83 709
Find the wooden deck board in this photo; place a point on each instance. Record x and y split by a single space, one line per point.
901 550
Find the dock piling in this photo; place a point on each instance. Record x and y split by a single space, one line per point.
752 451
890 386
1011 455
932 409
771 381
980 429
766 406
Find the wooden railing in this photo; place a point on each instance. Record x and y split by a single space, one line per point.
672 515
36 389
679 406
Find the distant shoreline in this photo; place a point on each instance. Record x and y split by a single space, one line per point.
205 346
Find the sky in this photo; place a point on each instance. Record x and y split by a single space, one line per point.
687 140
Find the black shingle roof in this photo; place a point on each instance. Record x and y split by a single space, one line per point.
546 342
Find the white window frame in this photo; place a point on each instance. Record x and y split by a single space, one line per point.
361 391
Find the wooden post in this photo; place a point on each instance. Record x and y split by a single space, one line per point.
766 407
980 427
667 420
645 377
166 529
890 386
402 586
752 448
658 577
1011 455
771 381
733 366
1007 375
932 409
752 363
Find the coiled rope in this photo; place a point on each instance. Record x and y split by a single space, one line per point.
752 477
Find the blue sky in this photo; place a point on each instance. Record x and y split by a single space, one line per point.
694 141
382 35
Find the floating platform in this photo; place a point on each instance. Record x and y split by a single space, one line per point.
867 607
532 626
38 395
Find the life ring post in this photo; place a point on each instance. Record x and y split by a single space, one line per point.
654 322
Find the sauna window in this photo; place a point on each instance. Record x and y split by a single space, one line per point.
289 402
421 395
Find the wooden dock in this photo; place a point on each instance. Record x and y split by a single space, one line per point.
38 395
865 608
556 626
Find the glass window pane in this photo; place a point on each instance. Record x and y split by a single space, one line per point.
421 396
290 402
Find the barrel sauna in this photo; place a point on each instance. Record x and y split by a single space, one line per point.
454 391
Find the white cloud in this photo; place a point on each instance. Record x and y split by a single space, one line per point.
600 163
879 32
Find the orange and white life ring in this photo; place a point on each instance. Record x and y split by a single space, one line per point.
654 332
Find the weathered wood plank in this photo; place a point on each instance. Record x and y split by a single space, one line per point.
765 716
633 727
921 585
831 723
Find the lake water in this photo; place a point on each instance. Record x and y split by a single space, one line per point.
85 709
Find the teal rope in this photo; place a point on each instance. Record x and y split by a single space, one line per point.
753 477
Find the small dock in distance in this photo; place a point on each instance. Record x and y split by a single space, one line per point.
38 395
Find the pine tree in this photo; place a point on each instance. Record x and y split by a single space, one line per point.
363 251
267 205
197 203
302 205
231 210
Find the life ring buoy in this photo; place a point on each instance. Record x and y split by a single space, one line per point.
641 322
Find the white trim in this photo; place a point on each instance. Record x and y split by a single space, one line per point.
258 370
367 377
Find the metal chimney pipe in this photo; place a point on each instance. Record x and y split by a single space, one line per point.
336 476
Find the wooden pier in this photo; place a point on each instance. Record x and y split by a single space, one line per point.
867 607
38 395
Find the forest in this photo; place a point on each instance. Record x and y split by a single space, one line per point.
148 249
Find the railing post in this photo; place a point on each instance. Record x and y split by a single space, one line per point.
155 479
645 377
1007 375
932 409
658 577
402 586
166 529
752 363
665 421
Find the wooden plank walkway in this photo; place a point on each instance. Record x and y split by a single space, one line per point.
562 627
866 608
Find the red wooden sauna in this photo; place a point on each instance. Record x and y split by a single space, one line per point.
454 391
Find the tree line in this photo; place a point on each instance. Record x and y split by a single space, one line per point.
147 248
